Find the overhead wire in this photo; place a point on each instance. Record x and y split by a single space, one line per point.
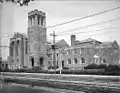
77 20
101 33
91 31
95 14
84 27
7 46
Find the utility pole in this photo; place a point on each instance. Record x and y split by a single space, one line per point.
0 49
54 48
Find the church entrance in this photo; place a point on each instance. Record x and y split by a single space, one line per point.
41 60
32 61
62 63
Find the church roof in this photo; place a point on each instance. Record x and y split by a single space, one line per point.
61 43
86 40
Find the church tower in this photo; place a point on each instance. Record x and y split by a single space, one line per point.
37 38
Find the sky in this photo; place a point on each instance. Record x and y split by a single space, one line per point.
14 19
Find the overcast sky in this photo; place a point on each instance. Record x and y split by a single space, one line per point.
14 19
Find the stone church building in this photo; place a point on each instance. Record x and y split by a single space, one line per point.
29 51
32 49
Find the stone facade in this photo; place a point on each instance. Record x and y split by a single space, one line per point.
37 39
18 51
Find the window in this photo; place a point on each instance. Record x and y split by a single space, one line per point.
68 52
83 60
26 46
69 61
104 61
38 20
6 65
80 51
57 62
75 60
75 51
17 47
11 51
12 61
41 21
57 55
2 65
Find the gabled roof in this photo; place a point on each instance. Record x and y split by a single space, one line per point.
88 40
61 43
85 40
110 44
107 43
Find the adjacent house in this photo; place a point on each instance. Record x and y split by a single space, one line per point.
89 51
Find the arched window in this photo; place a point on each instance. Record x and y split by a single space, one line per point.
69 61
32 61
75 60
42 21
104 61
83 60
41 60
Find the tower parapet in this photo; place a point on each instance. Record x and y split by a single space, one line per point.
36 18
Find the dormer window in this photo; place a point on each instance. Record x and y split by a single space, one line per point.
41 21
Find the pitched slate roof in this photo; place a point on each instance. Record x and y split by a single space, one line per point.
88 40
85 40
61 43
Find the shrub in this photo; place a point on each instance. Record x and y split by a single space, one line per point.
66 68
102 66
92 66
53 67
112 68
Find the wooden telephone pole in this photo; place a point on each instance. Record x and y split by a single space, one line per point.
54 48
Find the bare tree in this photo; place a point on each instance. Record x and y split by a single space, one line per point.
20 2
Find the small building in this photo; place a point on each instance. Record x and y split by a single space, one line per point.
4 64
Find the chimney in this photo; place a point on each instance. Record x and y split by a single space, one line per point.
73 38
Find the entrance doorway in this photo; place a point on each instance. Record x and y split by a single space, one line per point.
41 60
32 61
62 63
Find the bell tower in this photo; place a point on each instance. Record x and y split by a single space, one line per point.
36 37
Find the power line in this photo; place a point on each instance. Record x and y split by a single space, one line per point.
92 30
84 27
7 46
77 20
102 33
84 17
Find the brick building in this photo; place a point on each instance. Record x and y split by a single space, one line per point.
88 51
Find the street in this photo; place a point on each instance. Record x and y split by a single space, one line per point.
19 88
